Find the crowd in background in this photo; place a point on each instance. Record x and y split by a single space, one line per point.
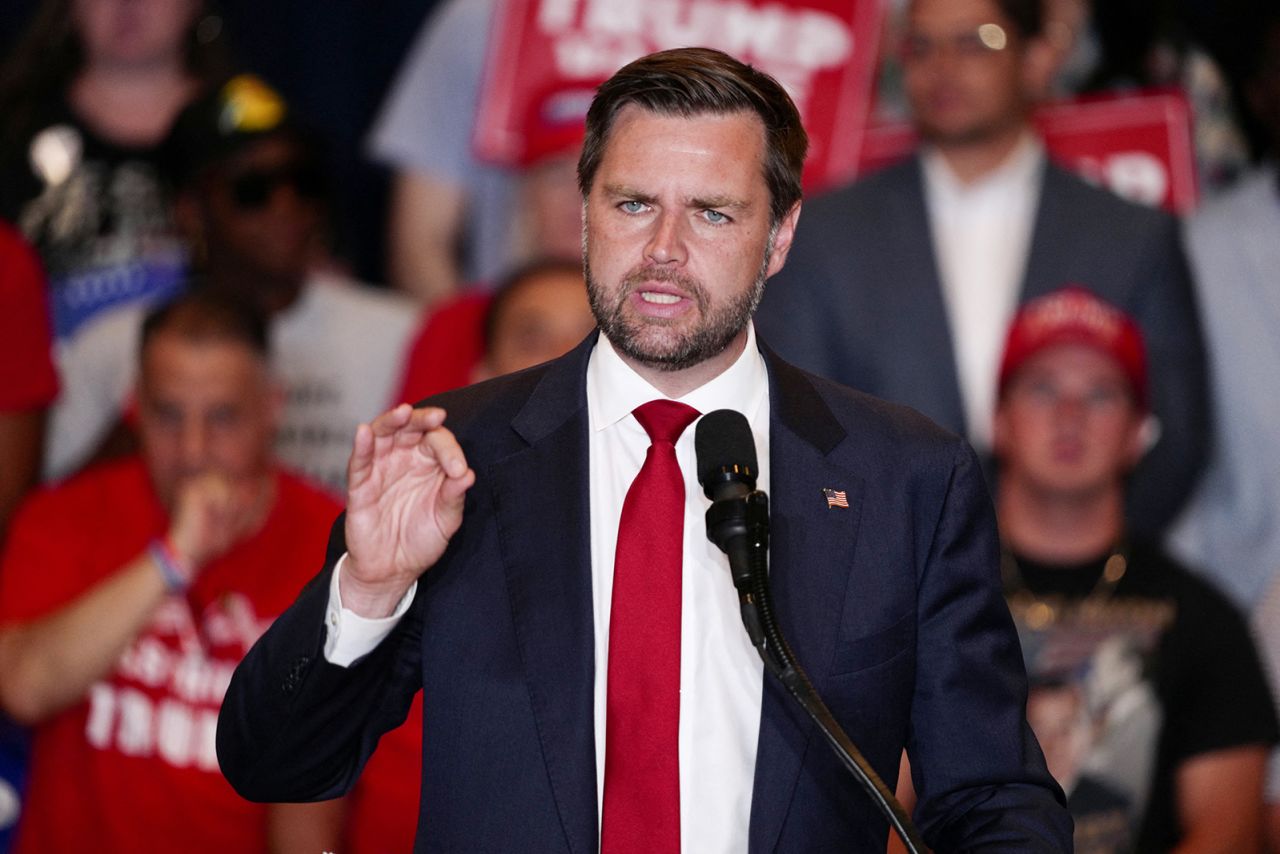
230 234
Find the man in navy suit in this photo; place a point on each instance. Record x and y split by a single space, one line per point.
476 560
902 284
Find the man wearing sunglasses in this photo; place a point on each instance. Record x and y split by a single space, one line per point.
255 209
252 204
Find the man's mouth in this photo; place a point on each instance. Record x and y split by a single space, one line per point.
661 302
659 298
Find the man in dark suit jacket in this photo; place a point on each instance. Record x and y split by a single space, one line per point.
874 296
470 549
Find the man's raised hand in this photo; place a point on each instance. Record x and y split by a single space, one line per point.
214 511
406 483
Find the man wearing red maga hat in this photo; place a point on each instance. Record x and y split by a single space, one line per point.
1146 691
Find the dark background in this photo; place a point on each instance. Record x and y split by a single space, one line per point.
332 61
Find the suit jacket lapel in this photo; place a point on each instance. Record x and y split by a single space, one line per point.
915 314
540 496
1050 238
810 555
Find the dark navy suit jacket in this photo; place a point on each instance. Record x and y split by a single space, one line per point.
893 606
860 301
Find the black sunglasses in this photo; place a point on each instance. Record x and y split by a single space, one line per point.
252 190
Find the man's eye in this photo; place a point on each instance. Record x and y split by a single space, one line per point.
166 415
715 217
1105 397
223 416
971 44
1043 392
632 206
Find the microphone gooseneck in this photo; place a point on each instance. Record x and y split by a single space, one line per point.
738 523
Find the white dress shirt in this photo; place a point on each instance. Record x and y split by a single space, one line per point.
982 236
721 676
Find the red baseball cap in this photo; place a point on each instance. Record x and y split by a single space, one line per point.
1075 315
556 122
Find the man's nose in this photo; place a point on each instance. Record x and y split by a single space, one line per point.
1070 408
195 445
667 242
285 197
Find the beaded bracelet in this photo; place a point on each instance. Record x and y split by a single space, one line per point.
177 572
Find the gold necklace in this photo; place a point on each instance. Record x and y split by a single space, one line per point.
1041 611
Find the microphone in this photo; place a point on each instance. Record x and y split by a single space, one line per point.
726 453
738 519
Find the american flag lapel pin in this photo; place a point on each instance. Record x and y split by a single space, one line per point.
836 498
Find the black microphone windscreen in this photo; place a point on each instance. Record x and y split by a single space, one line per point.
724 443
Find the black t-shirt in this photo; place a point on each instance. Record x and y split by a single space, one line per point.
98 213
1130 680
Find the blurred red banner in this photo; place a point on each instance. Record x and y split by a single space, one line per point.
1138 146
823 51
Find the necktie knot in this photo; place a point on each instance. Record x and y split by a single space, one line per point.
665 420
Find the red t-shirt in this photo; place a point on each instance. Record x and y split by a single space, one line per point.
132 767
382 809
449 346
27 377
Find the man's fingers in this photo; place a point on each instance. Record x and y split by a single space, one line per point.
421 421
441 444
360 465
404 418
210 489
456 487
390 421
426 418
402 427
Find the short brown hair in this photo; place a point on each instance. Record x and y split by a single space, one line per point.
203 315
517 278
695 81
1027 16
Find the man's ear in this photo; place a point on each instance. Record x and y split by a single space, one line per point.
782 239
1142 438
1041 61
999 431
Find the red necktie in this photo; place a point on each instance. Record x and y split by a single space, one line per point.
642 730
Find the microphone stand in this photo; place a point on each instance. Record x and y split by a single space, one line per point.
742 526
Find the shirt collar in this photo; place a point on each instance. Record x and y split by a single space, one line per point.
614 389
1020 169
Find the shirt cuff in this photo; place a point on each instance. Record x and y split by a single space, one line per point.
351 636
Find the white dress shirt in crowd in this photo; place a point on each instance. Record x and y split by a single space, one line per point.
982 236
721 676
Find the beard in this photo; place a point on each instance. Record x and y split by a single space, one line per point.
659 342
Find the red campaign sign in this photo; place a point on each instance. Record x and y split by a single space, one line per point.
823 51
1137 146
